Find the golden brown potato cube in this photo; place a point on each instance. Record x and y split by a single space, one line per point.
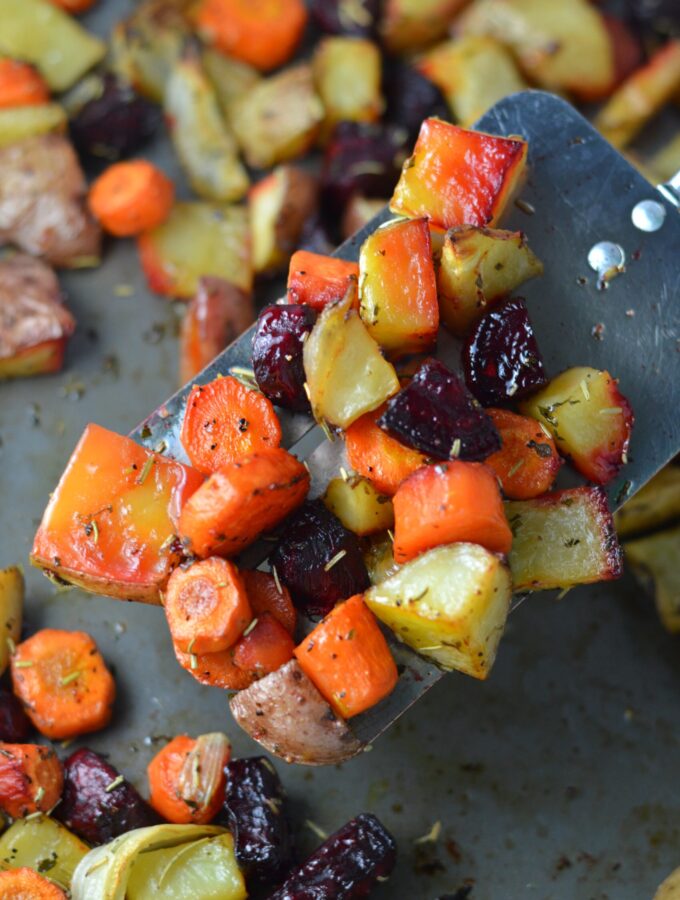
480 266
358 505
561 46
204 142
19 122
657 503
379 558
473 73
359 212
562 539
654 561
409 25
347 74
279 206
279 118
229 77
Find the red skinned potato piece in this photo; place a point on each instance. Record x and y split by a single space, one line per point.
287 715
110 523
34 324
42 202
457 176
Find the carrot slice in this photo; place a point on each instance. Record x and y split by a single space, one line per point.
264 33
206 606
318 280
447 503
267 595
63 682
264 649
21 85
26 884
377 456
131 197
348 660
215 669
242 500
31 779
225 420
187 778
528 462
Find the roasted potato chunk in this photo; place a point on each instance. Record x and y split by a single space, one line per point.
654 560
473 73
34 324
480 266
359 212
11 609
42 842
450 604
20 122
279 206
562 539
347 74
38 32
666 161
278 118
409 25
204 143
669 889
42 202
358 505
230 78
379 559
657 503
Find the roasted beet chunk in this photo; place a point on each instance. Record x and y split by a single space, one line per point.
254 813
98 804
352 17
346 867
115 124
319 560
277 354
437 415
501 358
14 725
410 97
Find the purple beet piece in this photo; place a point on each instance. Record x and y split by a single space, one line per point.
501 359
277 353
347 866
254 811
15 726
95 804
437 415
410 97
357 18
313 538
315 237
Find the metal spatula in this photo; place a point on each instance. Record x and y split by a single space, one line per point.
589 216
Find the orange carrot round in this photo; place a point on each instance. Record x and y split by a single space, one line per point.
348 659
446 503
187 779
377 456
26 884
266 595
265 648
224 420
31 779
264 33
241 501
131 197
63 682
528 462
206 606
215 669
21 85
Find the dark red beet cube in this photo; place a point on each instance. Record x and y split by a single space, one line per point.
357 18
347 866
410 97
319 560
437 415
501 359
277 354
14 724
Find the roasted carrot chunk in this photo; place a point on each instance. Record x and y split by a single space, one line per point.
21 85
266 595
26 884
348 660
241 501
63 682
206 606
377 456
131 197
225 420
31 779
317 280
215 669
265 648
447 503
264 33
528 462
187 778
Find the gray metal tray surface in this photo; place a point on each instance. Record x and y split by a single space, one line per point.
554 780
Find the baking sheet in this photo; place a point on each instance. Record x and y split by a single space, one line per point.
552 780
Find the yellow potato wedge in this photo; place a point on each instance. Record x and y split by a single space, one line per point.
229 77
654 505
279 205
43 844
347 74
19 122
654 561
410 25
11 611
358 505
